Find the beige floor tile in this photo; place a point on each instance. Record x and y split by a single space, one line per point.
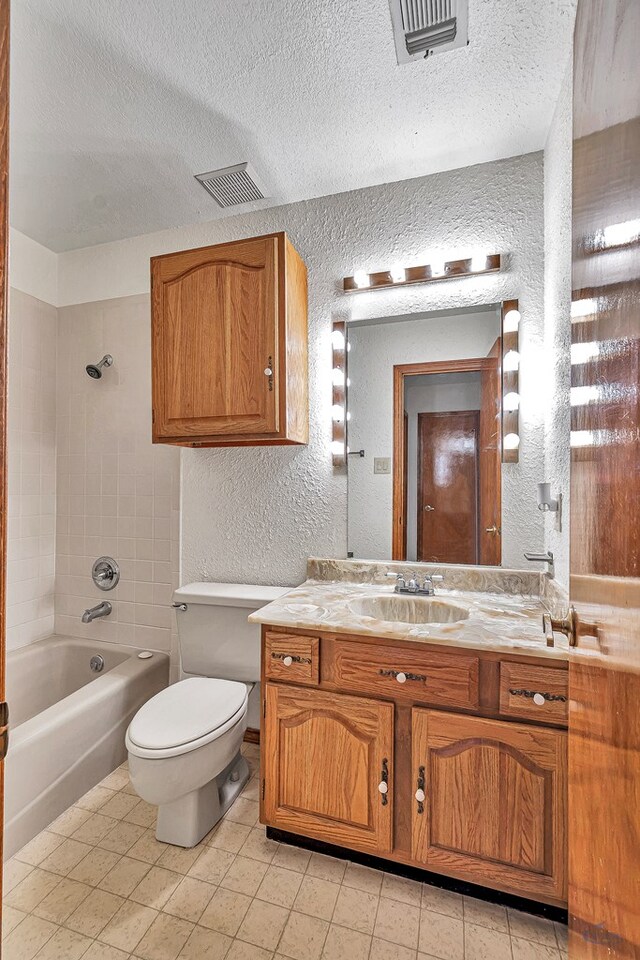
164 939
94 866
229 836
530 950
24 942
125 876
244 811
144 814
398 922
303 937
243 876
363 878
37 885
95 798
280 886
399 888
39 848
240 950
64 945
11 918
291 858
384 950
356 909
117 780
122 837
225 911
65 857
119 806
252 789
69 821
345 944
206 944
94 829
126 929
562 936
263 924
485 943
63 900
147 848
180 859
441 936
442 901
15 871
156 887
317 898
486 914
94 913
526 927
102 951
326 868
258 847
189 899
212 865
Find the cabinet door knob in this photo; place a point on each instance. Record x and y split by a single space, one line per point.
401 678
538 699
268 372
420 796
383 787
287 661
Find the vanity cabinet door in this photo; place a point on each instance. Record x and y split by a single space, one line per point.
494 807
326 758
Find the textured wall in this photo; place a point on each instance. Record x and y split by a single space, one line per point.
257 514
557 308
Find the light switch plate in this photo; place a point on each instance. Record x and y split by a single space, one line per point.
382 464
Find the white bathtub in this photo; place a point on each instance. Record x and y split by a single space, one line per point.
67 724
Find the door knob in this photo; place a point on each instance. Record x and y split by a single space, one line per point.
494 530
566 625
428 507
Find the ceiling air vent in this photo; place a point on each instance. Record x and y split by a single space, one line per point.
232 185
423 27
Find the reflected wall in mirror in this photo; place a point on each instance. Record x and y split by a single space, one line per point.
424 403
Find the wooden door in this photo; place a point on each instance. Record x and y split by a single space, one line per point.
448 487
215 333
604 667
490 466
495 802
4 266
324 757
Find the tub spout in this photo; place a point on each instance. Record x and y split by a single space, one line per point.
101 610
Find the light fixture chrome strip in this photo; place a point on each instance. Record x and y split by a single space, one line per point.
339 393
398 276
510 381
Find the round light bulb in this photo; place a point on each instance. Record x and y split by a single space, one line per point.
337 377
479 263
398 273
511 361
337 340
511 321
511 441
361 279
337 412
437 267
511 401
337 448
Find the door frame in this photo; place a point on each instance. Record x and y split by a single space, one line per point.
419 516
4 269
400 372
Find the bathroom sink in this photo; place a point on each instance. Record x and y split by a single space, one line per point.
403 609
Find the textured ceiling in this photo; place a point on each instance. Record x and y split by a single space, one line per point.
117 103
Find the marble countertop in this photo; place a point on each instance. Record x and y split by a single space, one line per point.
501 622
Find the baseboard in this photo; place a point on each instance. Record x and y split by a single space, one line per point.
251 736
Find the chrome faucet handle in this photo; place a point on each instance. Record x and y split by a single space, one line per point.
399 577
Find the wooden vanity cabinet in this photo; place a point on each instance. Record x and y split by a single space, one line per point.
466 791
229 345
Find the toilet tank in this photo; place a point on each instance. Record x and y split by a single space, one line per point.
215 638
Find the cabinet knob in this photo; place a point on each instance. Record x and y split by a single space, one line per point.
401 678
538 699
268 372
383 787
420 795
287 661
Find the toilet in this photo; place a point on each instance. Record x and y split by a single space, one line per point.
184 743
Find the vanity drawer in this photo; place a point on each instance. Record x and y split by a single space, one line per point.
536 693
292 658
434 678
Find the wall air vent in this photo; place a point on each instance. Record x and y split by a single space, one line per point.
232 185
424 27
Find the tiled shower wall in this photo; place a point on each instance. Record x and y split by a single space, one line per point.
117 494
32 469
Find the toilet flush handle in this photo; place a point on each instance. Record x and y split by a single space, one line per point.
179 606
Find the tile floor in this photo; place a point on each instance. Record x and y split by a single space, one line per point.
97 884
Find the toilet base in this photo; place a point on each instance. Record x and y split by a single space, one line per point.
185 821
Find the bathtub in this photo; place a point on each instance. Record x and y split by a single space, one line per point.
67 724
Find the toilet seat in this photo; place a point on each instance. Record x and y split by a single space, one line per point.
185 716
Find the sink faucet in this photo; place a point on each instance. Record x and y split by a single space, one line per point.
413 587
101 610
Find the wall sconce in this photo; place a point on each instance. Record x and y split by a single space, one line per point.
510 381
440 269
339 395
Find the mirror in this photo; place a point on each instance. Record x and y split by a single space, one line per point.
425 478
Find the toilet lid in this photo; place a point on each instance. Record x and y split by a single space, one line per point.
186 711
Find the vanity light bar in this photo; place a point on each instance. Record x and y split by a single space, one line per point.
399 276
510 381
339 394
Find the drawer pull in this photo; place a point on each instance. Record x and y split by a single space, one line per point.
420 794
402 676
539 698
383 786
287 659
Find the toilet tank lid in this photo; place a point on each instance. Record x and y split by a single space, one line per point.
229 594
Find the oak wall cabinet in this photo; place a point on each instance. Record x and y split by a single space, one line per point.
229 345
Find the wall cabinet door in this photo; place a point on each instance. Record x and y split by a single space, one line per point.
494 810
324 758
229 344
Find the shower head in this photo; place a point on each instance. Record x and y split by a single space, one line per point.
95 369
